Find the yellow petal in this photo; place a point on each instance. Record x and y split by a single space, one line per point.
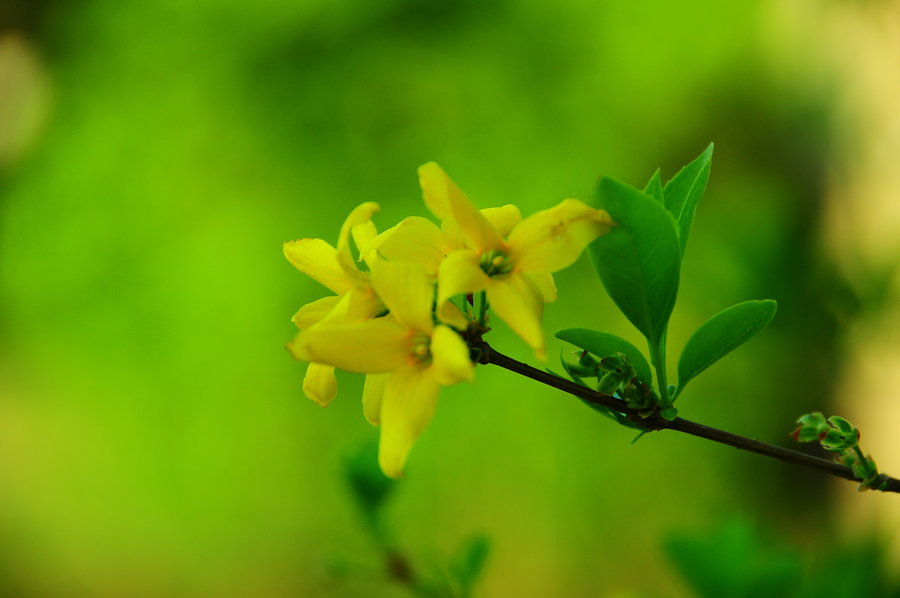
446 201
450 314
315 311
459 273
358 304
551 240
544 283
450 357
503 219
373 394
415 239
452 237
370 347
363 234
360 215
408 405
319 384
517 302
318 260
436 187
405 290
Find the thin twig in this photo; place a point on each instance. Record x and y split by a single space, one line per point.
488 355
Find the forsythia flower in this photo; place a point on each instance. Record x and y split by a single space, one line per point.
385 321
334 268
407 356
498 252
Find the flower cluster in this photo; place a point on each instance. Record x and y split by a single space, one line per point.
393 314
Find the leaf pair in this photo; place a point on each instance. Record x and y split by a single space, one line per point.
639 264
639 261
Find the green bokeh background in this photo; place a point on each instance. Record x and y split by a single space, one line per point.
154 439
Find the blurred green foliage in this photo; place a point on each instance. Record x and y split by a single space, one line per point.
736 560
154 440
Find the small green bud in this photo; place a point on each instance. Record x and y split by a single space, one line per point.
586 360
865 469
834 441
609 383
843 425
805 434
814 419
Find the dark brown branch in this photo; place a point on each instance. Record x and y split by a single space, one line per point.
488 355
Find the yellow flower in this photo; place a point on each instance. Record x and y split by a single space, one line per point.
419 240
334 268
515 271
407 356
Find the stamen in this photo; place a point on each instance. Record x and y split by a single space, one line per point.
421 349
495 263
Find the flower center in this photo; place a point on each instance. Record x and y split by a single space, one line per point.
495 263
421 349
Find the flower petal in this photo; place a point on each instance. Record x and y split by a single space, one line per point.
373 394
448 313
544 283
551 240
461 273
450 357
446 201
313 312
358 304
436 187
319 384
405 290
318 260
363 234
370 347
503 219
408 405
414 239
518 302
360 215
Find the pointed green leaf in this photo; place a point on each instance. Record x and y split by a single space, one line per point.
468 562
684 191
721 334
603 344
654 188
638 261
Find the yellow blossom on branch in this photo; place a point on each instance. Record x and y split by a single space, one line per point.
514 269
334 268
407 356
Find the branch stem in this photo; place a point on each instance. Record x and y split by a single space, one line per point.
658 357
489 355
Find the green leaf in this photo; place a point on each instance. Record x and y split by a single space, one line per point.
683 193
737 561
842 424
468 562
721 334
575 376
654 188
669 414
370 488
638 261
603 344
